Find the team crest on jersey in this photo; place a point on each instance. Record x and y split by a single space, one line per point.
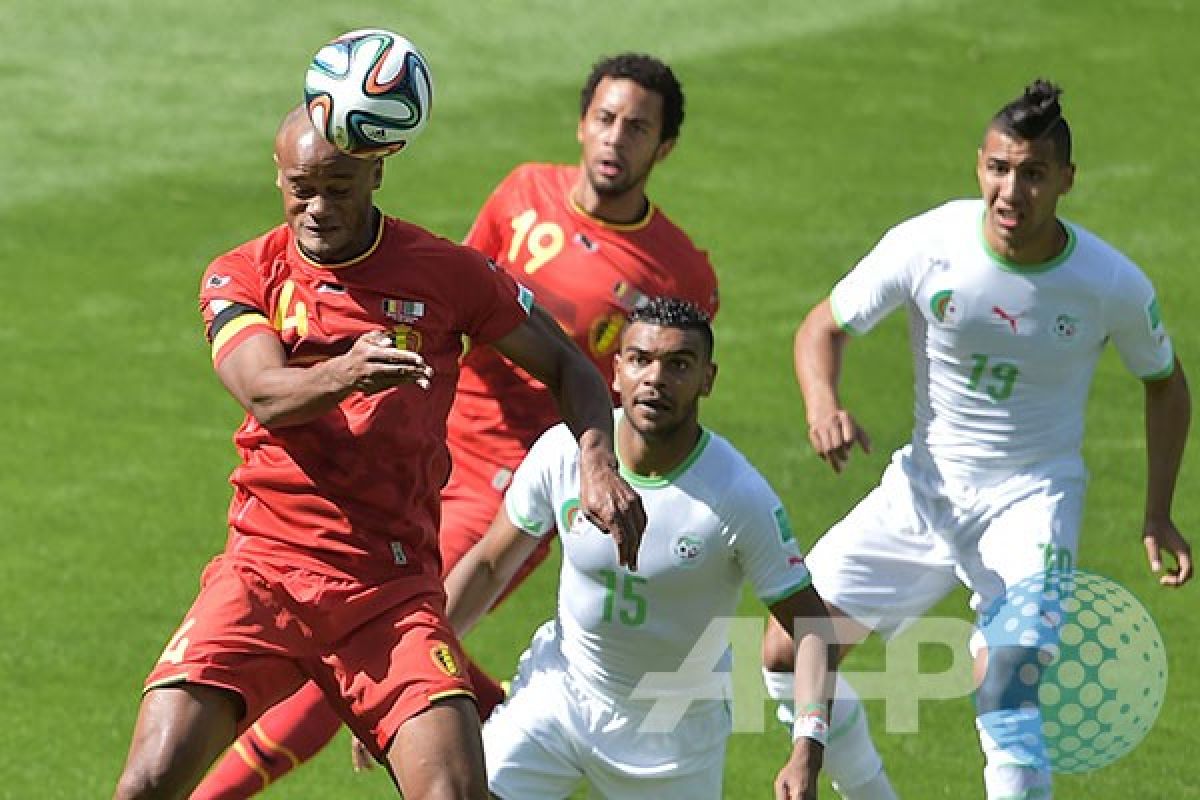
1065 327
444 658
945 308
569 515
605 333
407 311
687 550
407 337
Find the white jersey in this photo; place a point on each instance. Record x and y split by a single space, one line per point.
713 523
1003 354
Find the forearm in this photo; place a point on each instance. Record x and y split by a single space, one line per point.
1168 417
471 587
286 396
818 350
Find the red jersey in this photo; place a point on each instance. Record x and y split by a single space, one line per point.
586 272
355 490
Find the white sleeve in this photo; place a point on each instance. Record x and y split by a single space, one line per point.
1137 328
764 544
878 284
529 501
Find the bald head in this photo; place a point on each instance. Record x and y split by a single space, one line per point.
327 195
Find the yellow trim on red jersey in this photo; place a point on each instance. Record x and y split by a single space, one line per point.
615 226
357 259
234 327
452 693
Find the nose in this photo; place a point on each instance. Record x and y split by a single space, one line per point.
615 133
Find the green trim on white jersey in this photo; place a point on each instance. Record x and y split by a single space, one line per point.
1008 265
657 482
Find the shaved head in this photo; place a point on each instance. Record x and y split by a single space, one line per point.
327 195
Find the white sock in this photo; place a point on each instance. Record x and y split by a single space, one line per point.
780 688
1016 763
851 760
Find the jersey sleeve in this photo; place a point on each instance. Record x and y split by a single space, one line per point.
1137 327
764 544
529 501
492 303
876 286
233 304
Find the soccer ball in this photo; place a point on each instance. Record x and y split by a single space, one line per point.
368 92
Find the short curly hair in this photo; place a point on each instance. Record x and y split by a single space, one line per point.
649 73
671 312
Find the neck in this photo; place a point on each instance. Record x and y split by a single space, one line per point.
1043 249
624 208
655 456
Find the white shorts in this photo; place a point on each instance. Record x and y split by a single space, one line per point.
915 537
556 731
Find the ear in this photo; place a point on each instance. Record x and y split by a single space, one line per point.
710 378
664 149
1068 178
616 370
579 131
377 173
979 166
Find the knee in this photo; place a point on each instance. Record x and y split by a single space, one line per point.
143 781
1010 679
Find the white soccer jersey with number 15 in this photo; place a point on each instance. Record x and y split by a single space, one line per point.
713 523
1003 355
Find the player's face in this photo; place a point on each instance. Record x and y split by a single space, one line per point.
326 195
1021 182
619 135
661 373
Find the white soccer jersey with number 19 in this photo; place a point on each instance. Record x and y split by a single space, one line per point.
1002 354
713 523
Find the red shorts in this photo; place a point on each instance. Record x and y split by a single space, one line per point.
470 501
381 653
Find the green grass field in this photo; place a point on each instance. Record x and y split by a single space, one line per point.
138 147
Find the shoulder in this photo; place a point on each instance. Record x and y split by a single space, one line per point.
736 479
408 240
255 257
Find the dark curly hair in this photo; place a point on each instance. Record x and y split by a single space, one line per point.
1036 114
649 73
671 312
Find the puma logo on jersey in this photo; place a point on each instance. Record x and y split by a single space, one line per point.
1013 320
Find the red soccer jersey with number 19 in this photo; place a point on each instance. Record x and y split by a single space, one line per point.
354 491
586 272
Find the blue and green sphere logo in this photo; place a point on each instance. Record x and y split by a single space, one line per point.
1103 666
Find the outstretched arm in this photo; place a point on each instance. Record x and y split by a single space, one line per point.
1168 416
804 616
540 347
477 579
818 354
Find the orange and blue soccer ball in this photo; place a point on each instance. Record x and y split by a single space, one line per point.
369 92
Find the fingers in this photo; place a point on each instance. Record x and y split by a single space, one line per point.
626 523
834 438
1174 544
382 365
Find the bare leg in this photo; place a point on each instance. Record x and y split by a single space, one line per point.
180 731
438 754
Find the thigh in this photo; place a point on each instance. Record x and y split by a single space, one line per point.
394 665
881 564
527 741
1032 526
438 753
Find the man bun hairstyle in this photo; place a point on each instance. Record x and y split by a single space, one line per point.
1037 114
649 73
671 312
